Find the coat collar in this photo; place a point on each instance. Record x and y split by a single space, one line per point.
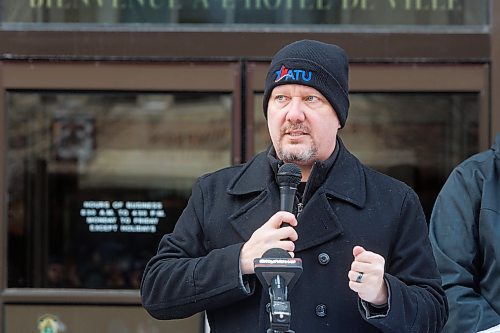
255 176
496 145
345 179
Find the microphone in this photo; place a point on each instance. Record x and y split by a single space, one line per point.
288 179
279 272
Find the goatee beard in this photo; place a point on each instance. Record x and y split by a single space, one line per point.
301 157
304 156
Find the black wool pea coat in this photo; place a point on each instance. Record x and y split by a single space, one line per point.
196 267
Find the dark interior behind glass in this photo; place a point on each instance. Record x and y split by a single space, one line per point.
96 178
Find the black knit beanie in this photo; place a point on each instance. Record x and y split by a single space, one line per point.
321 66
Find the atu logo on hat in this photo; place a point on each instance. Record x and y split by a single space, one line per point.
292 74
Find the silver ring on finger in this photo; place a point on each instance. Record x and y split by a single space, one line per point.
359 278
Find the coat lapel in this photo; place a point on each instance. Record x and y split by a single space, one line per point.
253 215
255 183
318 223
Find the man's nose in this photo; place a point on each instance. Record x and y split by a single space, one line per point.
296 110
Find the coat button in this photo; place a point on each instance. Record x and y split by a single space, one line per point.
323 258
321 310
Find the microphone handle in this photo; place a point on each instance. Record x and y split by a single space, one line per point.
287 200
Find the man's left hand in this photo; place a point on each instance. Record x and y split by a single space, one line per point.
366 276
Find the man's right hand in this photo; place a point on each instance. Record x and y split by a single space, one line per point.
270 235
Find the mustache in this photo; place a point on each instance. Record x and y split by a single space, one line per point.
294 127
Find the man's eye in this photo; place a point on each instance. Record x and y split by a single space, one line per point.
311 98
280 98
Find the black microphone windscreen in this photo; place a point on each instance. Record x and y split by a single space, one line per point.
289 174
276 253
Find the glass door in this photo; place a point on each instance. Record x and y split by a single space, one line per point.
100 159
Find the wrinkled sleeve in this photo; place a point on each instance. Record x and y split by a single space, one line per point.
417 301
454 238
184 278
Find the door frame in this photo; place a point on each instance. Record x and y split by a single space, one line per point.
84 76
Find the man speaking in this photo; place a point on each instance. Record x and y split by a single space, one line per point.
361 235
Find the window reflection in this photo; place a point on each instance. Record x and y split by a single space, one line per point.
415 137
95 179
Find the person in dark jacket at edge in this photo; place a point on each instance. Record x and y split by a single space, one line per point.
465 236
362 236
